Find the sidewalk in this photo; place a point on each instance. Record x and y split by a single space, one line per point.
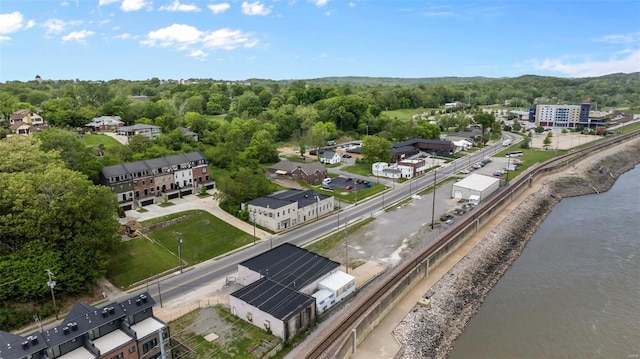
191 202
380 343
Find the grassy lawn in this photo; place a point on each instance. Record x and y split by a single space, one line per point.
93 140
238 335
204 237
152 221
360 168
407 112
130 265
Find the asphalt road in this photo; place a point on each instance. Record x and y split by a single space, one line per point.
203 274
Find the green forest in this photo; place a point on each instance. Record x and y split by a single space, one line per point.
54 216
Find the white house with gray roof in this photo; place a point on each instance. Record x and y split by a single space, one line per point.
330 157
149 131
286 209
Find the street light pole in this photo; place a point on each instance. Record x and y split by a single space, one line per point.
52 283
180 250
254 227
317 203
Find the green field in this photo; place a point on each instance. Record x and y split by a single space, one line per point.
408 112
204 237
139 259
93 140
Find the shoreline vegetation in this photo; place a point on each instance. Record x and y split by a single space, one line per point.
457 297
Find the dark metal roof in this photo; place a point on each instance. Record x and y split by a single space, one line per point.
308 168
115 170
176 159
81 319
138 166
284 198
416 141
273 298
193 156
290 265
156 163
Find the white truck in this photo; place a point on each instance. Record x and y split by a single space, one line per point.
506 143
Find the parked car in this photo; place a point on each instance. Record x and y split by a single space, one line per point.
465 171
348 187
498 173
346 156
349 179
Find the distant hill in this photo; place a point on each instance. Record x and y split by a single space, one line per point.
360 80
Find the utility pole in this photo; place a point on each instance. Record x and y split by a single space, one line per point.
254 227
52 283
433 205
180 249
506 180
346 246
317 203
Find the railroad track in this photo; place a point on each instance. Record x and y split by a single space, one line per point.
344 326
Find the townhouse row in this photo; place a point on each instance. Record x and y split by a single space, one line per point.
147 182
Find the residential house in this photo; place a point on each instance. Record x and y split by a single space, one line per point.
148 131
330 157
24 122
188 133
117 330
280 287
289 208
142 183
309 172
104 123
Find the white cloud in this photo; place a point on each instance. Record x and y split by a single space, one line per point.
177 6
219 8
77 36
176 34
56 26
352 4
134 5
10 22
321 3
124 36
4 38
106 2
30 24
198 54
255 8
619 38
228 39
196 42
590 68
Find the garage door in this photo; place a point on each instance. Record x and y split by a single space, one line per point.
186 193
457 194
173 195
127 207
147 202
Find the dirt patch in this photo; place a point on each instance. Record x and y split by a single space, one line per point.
287 183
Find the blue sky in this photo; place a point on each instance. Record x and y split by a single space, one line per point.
301 39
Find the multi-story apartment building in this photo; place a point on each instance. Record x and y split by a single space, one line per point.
562 116
125 330
142 183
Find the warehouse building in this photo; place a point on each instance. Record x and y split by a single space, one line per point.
478 186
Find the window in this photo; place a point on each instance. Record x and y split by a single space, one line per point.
250 316
132 349
204 170
267 325
119 356
149 345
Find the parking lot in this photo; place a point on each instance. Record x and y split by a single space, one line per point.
491 168
346 183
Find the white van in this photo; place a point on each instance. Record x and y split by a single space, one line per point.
326 181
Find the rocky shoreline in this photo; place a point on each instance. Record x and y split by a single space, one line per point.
455 298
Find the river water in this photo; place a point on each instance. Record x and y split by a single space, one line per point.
575 290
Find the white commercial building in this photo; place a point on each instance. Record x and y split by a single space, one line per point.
479 186
333 289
